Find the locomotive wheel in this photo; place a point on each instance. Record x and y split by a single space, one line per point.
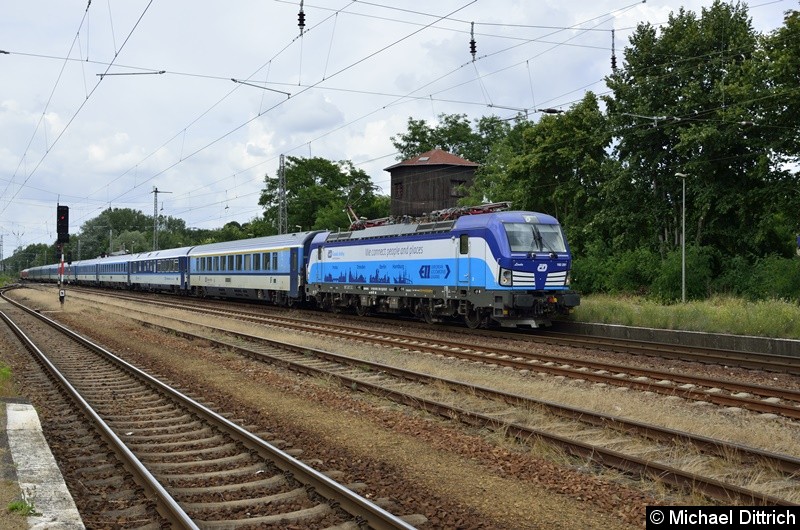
473 317
427 312
362 311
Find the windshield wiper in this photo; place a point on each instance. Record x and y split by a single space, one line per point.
537 236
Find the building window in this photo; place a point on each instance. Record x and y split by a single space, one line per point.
397 192
457 188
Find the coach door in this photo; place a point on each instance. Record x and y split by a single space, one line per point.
463 272
183 266
294 267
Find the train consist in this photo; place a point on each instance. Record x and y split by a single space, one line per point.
484 265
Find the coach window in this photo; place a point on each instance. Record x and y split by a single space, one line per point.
463 244
216 263
247 262
239 265
222 263
230 263
266 261
256 262
274 261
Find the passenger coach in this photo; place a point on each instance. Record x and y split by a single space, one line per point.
263 268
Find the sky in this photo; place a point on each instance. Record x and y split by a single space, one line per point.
103 102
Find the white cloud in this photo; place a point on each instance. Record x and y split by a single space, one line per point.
209 141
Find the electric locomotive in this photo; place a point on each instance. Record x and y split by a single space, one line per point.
479 264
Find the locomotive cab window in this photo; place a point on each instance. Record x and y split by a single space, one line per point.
463 244
535 237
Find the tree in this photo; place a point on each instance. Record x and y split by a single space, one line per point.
555 166
317 191
686 101
97 236
453 134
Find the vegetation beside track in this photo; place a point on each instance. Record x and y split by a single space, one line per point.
764 318
718 314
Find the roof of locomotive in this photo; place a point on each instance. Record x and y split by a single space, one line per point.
484 220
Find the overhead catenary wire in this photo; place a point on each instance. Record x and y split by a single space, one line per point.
305 142
75 115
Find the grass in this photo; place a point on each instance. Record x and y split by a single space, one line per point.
21 508
6 381
767 318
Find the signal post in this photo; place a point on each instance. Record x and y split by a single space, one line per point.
62 228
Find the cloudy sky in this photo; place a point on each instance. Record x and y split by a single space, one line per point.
99 105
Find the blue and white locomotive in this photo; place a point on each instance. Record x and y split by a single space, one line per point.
508 267
482 265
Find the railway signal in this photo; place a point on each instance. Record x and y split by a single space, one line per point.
62 223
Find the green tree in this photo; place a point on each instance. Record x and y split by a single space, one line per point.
97 235
317 192
453 134
555 166
686 101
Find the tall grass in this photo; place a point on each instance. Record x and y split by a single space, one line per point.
769 318
6 383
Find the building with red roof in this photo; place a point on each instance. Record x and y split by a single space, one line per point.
434 180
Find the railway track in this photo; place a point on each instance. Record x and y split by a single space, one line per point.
189 466
632 447
723 392
748 360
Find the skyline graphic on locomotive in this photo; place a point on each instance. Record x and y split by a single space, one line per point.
484 266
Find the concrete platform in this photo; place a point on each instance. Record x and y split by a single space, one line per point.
35 470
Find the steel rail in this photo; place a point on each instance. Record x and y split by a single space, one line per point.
503 357
351 502
169 507
607 457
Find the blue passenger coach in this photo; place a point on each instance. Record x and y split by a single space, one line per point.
264 268
160 270
508 267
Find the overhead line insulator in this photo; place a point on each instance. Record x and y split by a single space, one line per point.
472 47
301 18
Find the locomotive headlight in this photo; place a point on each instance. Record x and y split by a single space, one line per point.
506 277
566 282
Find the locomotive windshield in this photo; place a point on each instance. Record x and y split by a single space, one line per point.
535 237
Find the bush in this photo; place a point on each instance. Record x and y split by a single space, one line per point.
667 284
643 272
590 274
776 278
634 271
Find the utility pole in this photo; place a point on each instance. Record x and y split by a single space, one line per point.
683 236
283 222
155 193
